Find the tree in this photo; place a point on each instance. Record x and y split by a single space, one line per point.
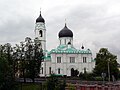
19 60
34 56
27 57
74 73
53 83
103 58
86 76
7 80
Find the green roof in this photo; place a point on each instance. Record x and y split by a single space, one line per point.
64 49
57 75
48 57
70 50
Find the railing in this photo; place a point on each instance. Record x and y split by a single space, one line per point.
95 87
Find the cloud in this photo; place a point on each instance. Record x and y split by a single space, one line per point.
16 30
95 23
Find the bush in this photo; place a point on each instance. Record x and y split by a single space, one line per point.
53 83
71 87
98 78
86 76
30 86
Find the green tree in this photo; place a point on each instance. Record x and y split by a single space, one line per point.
7 80
34 56
86 76
19 58
27 58
103 58
53 83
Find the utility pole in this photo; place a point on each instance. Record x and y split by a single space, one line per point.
45 64
108 70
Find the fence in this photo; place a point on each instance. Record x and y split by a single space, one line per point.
95 87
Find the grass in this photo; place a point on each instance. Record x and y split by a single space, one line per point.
29 86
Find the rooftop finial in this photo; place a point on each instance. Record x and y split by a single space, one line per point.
65 22
40 11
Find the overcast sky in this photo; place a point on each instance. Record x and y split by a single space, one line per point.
95 23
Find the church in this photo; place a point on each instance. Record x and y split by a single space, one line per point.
65 59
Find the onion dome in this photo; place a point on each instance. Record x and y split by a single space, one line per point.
40 18
65 32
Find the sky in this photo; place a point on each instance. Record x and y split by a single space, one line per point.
95 23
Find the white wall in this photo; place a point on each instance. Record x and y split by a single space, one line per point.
65 40
65 65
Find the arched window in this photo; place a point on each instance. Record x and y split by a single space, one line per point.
72 59
42 70
84 60
72 71
40 33
58 70
58 59
49 70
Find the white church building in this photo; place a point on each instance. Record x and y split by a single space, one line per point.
64 59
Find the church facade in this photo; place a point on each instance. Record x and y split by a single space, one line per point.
65 59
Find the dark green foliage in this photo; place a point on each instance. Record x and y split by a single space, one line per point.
24 59
30 86
86 76
7 80
102 59
74 73
34 58
29 57
71 87
53 83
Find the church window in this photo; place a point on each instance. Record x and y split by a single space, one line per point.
84 60
58 59
49 70
42 70
40 33
72 59
58 70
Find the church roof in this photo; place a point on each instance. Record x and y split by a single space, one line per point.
63 49
71 50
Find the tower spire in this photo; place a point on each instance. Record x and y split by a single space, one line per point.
40 11
40 18
65 23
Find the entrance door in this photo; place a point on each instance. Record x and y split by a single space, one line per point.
72 71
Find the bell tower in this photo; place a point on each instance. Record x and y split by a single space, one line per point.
40 31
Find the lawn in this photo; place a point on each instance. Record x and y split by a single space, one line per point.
29 86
